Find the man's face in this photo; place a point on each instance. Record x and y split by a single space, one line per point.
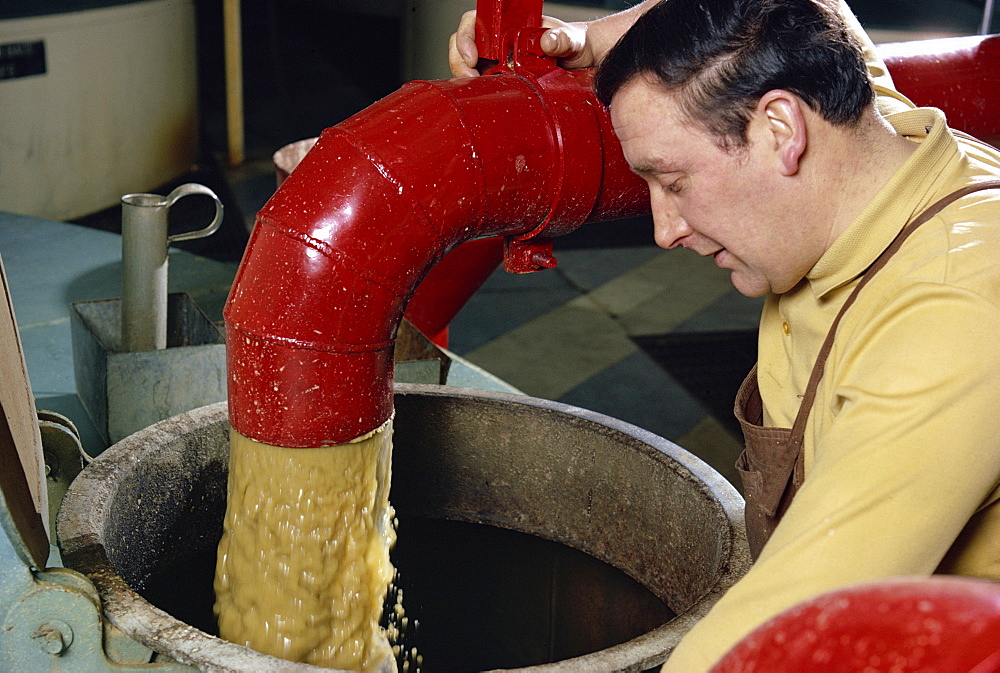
714 202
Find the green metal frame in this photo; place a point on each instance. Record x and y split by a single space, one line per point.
52 619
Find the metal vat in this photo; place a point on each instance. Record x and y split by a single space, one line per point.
570 479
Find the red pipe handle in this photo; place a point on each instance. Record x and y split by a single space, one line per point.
496 17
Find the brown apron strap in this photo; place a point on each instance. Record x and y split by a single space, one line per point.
798 429
772 499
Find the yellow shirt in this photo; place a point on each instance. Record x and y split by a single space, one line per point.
902 449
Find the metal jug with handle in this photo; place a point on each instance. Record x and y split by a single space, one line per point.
144 263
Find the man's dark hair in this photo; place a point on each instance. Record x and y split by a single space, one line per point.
722 56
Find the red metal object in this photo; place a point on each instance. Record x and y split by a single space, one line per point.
939 624
525 152
960 75
449 285
495 17
340 247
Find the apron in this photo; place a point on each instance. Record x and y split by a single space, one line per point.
772 464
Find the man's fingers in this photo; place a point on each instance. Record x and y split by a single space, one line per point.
568 42
559 42
462 52
457 61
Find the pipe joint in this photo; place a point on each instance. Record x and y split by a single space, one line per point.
574 120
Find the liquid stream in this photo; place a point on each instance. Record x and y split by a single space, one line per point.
303 566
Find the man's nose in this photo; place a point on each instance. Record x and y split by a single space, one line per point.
668 225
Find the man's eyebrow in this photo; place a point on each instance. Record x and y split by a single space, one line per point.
645 169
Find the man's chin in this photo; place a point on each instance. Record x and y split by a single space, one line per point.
749 287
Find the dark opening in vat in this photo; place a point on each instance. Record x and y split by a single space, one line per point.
477 597
147 516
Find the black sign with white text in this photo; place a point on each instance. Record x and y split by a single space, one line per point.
22 59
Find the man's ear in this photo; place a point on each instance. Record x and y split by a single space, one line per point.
781 125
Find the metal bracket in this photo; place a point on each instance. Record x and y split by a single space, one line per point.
64 458
52 620
57 625
527 255
522 50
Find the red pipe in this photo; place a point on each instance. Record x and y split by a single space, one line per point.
338 250
447 286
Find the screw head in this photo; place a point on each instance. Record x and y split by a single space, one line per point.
53 637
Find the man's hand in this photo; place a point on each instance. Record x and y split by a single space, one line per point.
565 41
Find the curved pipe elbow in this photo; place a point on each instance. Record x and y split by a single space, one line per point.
339 249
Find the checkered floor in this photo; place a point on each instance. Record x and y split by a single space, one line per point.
569 334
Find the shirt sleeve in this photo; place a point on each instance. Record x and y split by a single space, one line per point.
912 453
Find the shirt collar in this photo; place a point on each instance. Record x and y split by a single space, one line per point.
913 185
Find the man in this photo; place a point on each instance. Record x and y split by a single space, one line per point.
765 145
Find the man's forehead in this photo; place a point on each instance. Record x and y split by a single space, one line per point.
647 119
628 93
641 100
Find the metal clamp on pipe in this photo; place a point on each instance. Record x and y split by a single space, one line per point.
575 132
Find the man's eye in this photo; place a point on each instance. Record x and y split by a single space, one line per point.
674 187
